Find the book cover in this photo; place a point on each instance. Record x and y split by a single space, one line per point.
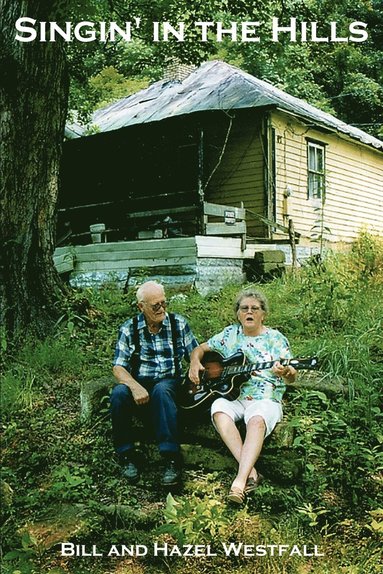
200 144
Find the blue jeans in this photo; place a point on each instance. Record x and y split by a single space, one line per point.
160 412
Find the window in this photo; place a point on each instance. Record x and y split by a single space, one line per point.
316 170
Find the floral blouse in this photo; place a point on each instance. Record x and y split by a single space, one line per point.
270 346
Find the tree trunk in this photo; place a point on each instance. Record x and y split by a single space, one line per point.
33 105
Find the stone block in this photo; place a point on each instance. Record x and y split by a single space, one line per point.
209 459
199 429
276 268
62 523
93 396
272 256
265 266
282 467
281 437
212 274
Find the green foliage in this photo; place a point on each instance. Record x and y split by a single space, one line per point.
326 296
344 78
194 520
330 308
69 483
18 389
337 443
55 356
376 521
24 557
138 59
367 258
109 85
25 381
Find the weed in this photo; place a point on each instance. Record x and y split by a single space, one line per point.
312 513
24 558
194 520
69 483
19 390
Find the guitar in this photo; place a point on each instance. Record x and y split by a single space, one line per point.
224 377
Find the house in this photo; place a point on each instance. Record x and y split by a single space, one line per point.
200 175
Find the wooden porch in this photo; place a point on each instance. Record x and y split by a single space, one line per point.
219 255
205 262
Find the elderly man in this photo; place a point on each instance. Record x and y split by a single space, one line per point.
147 366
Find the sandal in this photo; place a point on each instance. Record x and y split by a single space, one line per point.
253 483
236 495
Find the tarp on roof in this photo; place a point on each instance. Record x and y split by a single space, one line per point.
214 85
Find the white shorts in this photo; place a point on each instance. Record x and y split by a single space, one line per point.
269 410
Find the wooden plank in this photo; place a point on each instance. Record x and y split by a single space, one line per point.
61 250
221 247
140 198
136 254
64 266
273 224
64 262
62 257
215 240
88 205
219 210
224 229
133 263
233 189
221 253
158 212
140 245
348 163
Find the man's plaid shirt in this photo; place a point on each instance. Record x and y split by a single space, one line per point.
156 353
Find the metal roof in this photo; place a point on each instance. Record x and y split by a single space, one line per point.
214 85
73 131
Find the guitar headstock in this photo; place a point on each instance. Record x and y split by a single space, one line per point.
305 363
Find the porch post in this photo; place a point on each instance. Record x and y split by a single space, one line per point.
201 191
269 172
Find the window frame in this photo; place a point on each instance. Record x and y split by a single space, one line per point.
316 175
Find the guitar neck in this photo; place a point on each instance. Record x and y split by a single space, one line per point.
247 369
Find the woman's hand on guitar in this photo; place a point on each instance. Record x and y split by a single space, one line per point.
286 372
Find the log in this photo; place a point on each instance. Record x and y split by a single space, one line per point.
318 381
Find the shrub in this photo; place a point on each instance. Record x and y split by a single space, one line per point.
194 520
367 258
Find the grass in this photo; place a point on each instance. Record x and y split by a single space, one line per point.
57 467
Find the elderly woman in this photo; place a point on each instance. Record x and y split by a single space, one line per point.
259 401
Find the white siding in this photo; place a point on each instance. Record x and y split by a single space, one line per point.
354 181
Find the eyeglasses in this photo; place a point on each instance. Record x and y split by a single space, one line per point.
157 306
247 308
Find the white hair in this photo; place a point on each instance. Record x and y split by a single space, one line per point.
254 294
147 286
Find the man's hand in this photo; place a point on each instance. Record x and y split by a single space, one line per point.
140 394
194 371
196 367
